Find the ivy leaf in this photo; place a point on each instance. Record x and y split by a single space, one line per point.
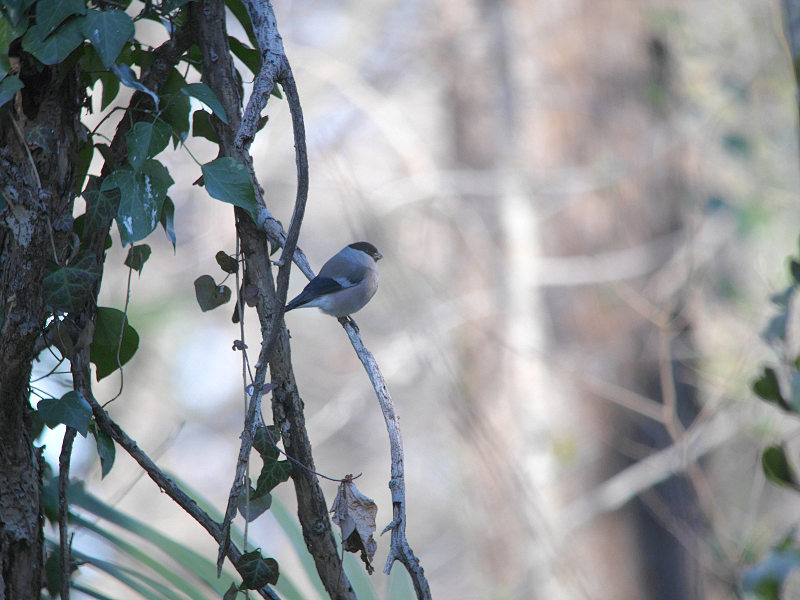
128 78
167 221
256 571
109 324
56 47
108 31
255 506
201 126
85 154
142 198
203 93
777 468
105 449
101 205
231 592
226 262
9 87
146 140
67 288
14 10
240 12
228 180
264 441
137 256
273 473
209 294
71 410
768 388
52 13
249 56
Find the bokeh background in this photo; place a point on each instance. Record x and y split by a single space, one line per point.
584 207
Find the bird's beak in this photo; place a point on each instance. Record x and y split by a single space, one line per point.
378 256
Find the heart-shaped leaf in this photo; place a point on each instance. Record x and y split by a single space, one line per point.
137 256
209 294
71 410
114 342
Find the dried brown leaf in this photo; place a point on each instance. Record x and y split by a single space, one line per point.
355 514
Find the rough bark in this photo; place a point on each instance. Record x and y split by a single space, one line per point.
39 139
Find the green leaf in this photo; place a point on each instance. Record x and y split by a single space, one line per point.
777 468
14 10
111 325
240 12
9 87
146 140
128 78
101 206
49 15
108 31
67 288
142 198
231 592
228 180
85 154
265 440
203 93
273 473
256 571
226 262
209 294
249 56
167 6
110 89
105 449
256 506
137 256
767 387
52 573
56 47
71 410
5 65
201 126
167 221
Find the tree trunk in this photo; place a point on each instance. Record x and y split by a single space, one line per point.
40 134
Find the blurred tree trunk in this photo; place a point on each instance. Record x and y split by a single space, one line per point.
595 98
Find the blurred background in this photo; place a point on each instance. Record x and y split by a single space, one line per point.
584 208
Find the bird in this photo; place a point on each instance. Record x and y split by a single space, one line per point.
345 283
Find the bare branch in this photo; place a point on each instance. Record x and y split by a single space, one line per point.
399 549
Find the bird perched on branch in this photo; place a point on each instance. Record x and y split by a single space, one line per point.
344 284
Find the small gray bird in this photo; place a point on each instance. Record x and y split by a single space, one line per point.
344 284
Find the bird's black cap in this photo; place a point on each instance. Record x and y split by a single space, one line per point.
366 248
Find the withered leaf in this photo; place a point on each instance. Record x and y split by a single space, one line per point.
355 514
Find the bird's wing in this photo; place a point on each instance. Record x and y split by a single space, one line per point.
319 286
347 268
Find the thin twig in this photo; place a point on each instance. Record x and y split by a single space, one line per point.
109 427
65 559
